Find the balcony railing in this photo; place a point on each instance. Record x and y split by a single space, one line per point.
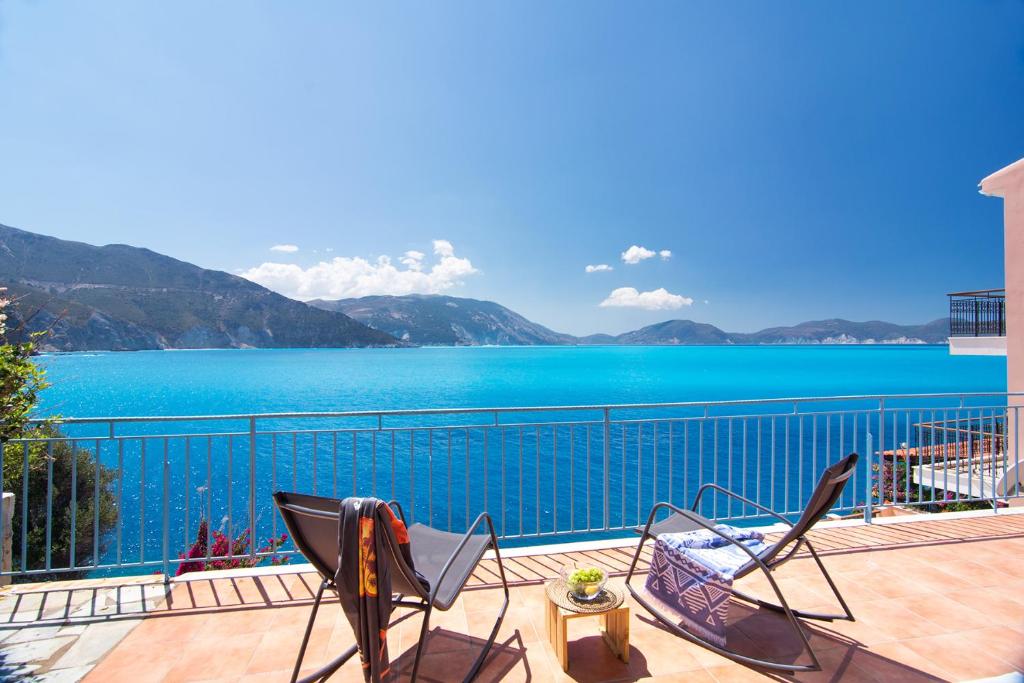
980 313
571 472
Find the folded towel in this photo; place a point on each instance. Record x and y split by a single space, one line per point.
706 538
691 574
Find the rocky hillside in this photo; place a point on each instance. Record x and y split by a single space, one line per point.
675 332
834 331
837 331
119 297
445 320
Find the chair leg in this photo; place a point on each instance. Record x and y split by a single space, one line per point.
479 661
325 671
847 615
422 643
730 654
309 630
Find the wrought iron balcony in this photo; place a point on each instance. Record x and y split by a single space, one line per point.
981 313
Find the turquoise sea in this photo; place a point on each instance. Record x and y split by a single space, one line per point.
300 380
538 474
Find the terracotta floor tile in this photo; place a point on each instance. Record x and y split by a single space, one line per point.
168 628
215 658
901 663
236 622
949 614
135 660
277 649
962 655
1005 643
997 604
895 582
735 673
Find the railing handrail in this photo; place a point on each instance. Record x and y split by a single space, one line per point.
516 409
989 293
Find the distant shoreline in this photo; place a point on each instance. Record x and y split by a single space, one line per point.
888 345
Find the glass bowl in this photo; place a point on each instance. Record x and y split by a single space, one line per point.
585 590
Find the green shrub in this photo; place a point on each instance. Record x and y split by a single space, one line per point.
21 380
63 457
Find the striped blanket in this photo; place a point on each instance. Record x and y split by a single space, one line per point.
691 574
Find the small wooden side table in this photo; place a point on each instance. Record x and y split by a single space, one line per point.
609 607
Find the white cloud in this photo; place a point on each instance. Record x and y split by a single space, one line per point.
343 277
286 248
599 268
413 259
443 248
635 254
656 300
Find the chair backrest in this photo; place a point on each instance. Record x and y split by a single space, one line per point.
313 521
826 493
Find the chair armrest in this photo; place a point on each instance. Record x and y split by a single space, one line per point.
483 517
398 508
742 499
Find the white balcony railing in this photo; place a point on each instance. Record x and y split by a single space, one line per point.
568 472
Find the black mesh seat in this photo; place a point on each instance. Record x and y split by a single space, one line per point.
431 551
824 496
673 524
444 561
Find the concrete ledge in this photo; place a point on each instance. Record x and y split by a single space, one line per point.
977 346
608 543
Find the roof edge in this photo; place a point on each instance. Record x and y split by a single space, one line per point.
996 184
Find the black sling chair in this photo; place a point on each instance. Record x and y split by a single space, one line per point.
445 560
825 494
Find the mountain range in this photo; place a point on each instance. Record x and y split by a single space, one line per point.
119 297
435 320
445 320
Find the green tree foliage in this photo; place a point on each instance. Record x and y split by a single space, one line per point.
46 449
20 379
52 464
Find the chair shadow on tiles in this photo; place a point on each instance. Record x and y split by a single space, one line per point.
765 634
449 654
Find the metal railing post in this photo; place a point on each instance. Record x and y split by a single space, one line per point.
166 517
252 486
607 466
867 479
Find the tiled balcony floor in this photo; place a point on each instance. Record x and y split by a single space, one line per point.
934 600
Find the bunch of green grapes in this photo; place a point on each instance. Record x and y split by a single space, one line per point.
589 575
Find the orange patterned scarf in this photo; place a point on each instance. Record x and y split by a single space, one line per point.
364 577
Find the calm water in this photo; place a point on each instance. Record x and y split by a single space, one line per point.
251 381
535 480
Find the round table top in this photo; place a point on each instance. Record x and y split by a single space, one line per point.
610 597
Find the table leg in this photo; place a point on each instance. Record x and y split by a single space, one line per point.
616 632
563 637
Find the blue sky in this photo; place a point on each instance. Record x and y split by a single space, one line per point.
798 160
